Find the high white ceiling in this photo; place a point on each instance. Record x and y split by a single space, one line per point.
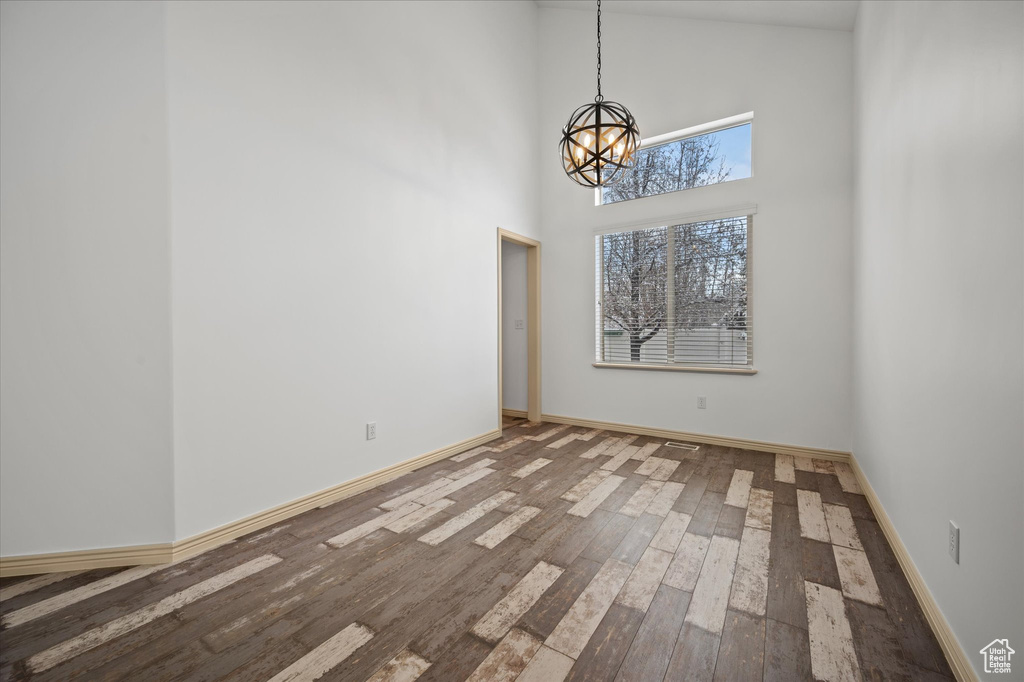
837 15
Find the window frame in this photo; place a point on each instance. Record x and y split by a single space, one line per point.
692 131
747 211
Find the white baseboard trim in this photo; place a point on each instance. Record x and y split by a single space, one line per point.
725 441
955 655
182 549
86 559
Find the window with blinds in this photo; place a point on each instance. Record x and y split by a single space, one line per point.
675 296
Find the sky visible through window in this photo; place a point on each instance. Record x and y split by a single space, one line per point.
696 161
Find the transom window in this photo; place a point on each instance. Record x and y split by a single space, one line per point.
696 157
676 296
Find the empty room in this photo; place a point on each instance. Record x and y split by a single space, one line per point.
533 340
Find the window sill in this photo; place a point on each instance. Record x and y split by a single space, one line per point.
677 368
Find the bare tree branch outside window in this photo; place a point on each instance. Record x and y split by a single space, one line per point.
699 317
684 164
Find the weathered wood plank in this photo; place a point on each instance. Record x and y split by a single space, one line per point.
833 657
739 488
642 498
34 583
759 509
651 650
586 486
784 469
841 528
620 458
137 619
855 574
418 517
878 649
666 498
671 532
664 470
500 531
317 662
469 454
812 516
76 595
596 496
695 655
470 469
405 667
803 463
599 449
564 440
741 654
547 666
750 585
786 601
466 518
730 521
847 479
376 523
500 619
705 518
508 659
643 582
787 653
636 541
547 613
819 563
571 634
685 568
608 645
535 465
646 451
410 496
711 595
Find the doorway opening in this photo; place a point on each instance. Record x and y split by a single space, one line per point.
518 327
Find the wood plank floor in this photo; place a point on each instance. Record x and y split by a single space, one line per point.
553 553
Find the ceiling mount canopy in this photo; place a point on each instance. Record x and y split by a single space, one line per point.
600 141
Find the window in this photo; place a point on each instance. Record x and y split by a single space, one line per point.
695 157
676 296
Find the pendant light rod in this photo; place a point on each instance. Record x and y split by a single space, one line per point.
599 96
600 141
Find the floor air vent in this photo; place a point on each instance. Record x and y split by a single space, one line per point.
684 446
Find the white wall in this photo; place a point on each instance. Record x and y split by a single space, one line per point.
514 350
939 253
672 74
85 379
337 168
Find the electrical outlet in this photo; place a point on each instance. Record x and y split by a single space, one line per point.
702 402
371 430
954 542
519 324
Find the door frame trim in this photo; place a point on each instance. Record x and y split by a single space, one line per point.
533 409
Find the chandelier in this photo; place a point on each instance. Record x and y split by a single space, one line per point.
600 141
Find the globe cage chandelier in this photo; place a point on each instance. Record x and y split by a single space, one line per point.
600 141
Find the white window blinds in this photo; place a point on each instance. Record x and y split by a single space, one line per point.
675 295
